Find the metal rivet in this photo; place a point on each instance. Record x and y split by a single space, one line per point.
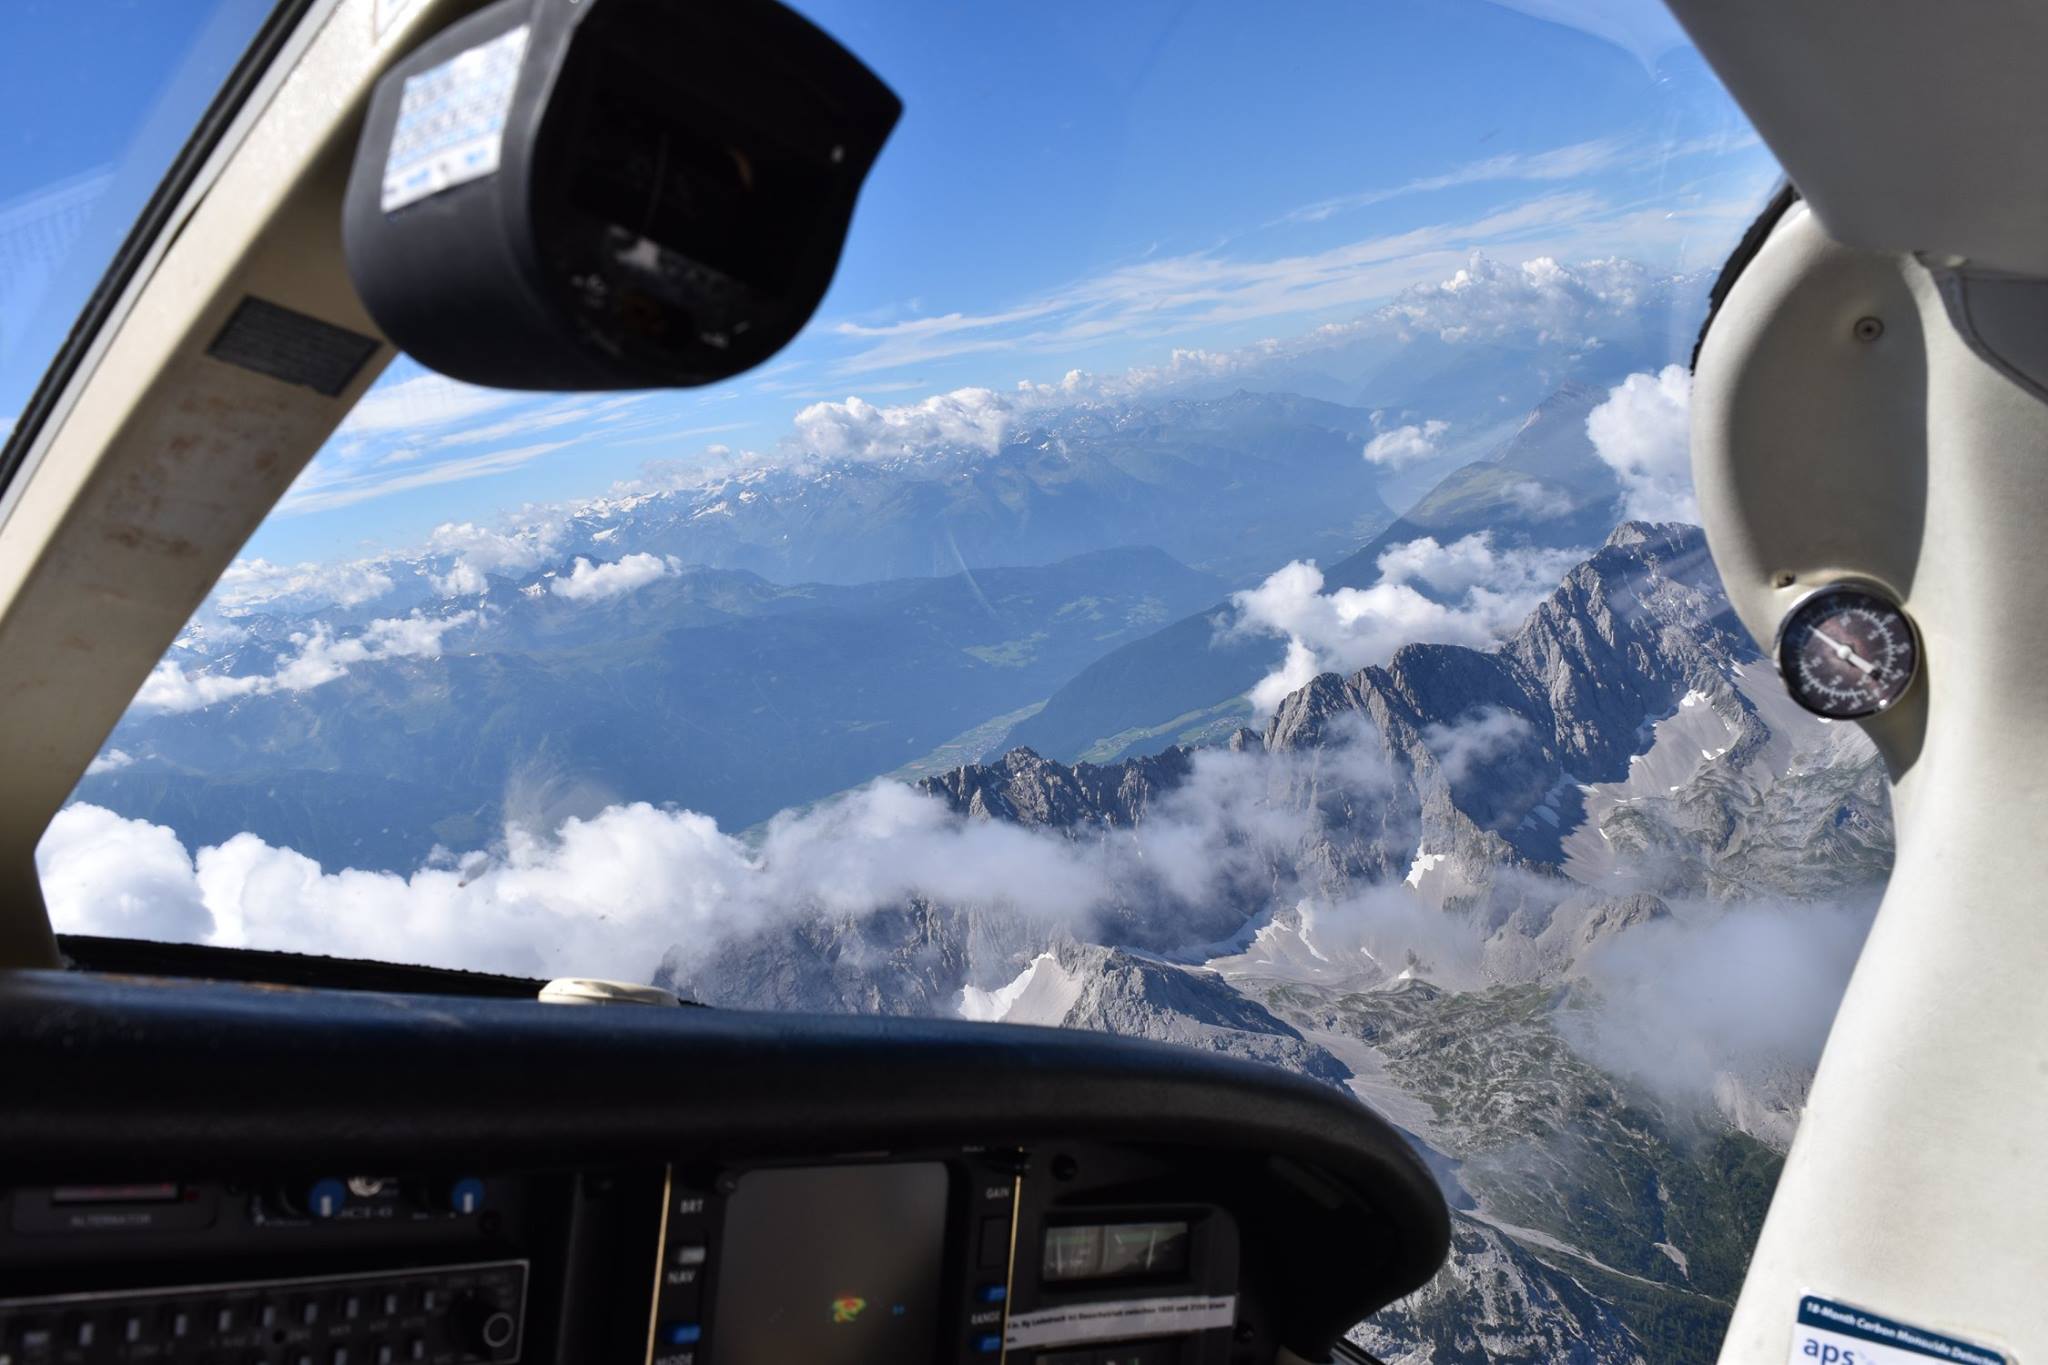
1868 329
1783 580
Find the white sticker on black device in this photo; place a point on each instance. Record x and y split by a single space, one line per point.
1169 1314
451 121
1830 1333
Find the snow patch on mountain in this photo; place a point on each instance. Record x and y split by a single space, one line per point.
1042 993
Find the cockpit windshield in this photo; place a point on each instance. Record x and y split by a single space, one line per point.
1220 566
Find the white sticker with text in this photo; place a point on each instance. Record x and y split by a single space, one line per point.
1830 1333
451 121
1124 1318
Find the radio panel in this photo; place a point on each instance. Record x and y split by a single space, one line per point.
445 1315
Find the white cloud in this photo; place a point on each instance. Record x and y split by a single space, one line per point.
479 552
1487 300
1165 295
1466 593
1475 740
1403 446
1643 432
420 402
1688 1004
322 490
1537 502
318 659
557 414
250 583
170 688
1557 163
102 874
966 419
464 579
113 760
1465 299
589 582
609 895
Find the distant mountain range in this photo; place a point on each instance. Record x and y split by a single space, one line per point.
1231 485
714 690
714 686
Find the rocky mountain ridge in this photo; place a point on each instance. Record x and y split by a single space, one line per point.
1441 852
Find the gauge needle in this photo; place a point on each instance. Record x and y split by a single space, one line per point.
1843 651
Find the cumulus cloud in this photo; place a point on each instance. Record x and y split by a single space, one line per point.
1552 301
971 419
588 582
1469 592
479 553
317 658
1403 446
610 894
1643 432
252 583
113 760
102 874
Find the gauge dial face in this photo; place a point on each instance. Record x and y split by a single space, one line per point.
1847 652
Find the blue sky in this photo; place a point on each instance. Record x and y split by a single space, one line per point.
96 97
1072 185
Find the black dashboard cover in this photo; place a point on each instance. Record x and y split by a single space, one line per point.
112 1077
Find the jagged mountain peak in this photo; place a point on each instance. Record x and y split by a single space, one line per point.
1023 788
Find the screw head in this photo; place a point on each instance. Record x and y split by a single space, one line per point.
1868 329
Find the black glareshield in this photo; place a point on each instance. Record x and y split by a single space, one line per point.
610 194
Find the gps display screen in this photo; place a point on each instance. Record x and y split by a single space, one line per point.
832 1265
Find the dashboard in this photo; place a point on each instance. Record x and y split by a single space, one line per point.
244 1172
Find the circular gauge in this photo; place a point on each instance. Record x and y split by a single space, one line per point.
1847 650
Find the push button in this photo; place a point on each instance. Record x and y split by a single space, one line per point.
988 1344
992 1293
680 1333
